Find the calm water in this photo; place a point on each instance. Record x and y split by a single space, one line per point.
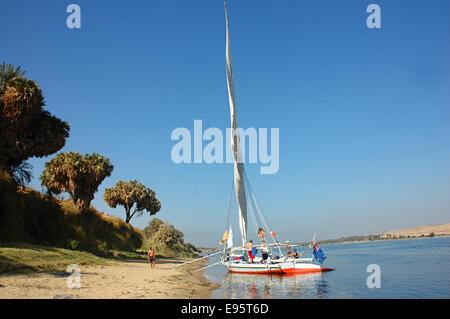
416 268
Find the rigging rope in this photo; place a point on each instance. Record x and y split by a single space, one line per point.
253 218
255 203
258 210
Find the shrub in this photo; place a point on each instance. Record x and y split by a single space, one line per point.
74 244
166 240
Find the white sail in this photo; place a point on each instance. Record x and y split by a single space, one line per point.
230 238
235 144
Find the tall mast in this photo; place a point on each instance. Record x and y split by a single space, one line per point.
235 143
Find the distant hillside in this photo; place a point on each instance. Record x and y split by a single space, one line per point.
416 232
421 231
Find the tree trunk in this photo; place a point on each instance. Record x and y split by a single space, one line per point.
128 218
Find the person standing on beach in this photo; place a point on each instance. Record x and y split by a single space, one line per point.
151 257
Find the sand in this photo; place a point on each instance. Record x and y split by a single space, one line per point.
128 279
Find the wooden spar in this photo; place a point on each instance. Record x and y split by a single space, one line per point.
209 266
198 259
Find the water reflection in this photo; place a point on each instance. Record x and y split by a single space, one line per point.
266 286
322 288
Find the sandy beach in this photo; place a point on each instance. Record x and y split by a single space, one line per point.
125 279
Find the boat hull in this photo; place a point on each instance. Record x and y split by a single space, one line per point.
256 269
282 268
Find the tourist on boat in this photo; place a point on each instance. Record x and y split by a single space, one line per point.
265 251
261 234
295 253
249 246
288 248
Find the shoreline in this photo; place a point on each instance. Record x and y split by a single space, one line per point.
378 240
129 279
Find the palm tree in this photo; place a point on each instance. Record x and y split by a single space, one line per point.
26 129
21 173
8 72
76 174
132 194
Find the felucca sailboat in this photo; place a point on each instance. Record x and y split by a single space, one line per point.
275 257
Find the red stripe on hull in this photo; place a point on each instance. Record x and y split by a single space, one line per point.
305 270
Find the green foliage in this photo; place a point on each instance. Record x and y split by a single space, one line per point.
169 236
103 244
8 72
132 194
26 129
74 244
166 240
78 175
153 227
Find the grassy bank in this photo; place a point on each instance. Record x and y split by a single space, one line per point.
27 258
24 258
28 216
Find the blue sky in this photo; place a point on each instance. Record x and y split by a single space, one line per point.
364 114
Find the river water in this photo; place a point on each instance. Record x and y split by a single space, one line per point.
414 268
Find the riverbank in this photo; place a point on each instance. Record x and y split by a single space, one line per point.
381 240
442 230
41 274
